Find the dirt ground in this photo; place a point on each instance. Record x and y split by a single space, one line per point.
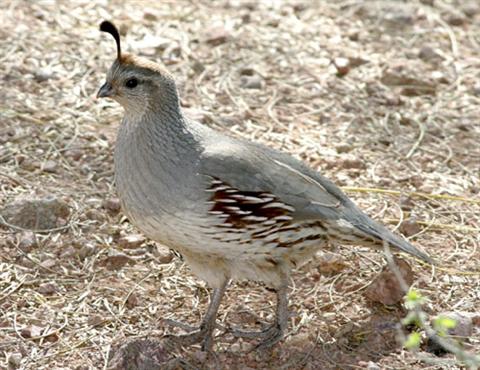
382 97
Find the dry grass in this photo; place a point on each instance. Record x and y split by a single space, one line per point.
426 145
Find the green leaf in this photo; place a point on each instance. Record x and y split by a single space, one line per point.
413 299
443 323
413 341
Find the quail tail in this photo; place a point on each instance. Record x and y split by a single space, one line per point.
382 234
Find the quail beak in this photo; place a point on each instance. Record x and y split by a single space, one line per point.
106 91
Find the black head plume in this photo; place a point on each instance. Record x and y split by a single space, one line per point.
110 28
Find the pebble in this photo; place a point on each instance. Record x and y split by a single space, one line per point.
43 74
49 166
86 251
411 85
251 82
163 254
410 227
36 214
216 35
113 205
31 331
386 288
132 300
47 289
131 241
14 360
95 215
343 148
429 54
116 260
48 263
342 65
406 203
351 163
456 19
27 241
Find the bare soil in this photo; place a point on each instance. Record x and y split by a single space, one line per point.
382 97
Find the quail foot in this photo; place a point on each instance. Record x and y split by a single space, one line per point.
234 209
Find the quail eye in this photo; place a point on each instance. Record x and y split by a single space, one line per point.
131 83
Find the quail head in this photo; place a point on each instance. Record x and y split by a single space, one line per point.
234 209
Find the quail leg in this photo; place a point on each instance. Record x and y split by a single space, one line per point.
274 333
203 334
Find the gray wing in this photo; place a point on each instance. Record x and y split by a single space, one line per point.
253 167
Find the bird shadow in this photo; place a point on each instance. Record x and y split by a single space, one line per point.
353 346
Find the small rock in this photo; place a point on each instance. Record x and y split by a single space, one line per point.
36 214
342 65
116 261
300 340
247 71
95 215
198 67
399 18
149 15
465 322
216 35
354 35
352 162
251 82
357 62
132 300
406 203
471 8
430 55
343 148
372 366
274 21
20 158
386 288
456 19
52 337
25 262
463 330
411 85
74 154
31 331
69 252
43 74
113 205
48 263
330 264
14 360
410 227
140 354
95 320
246 18
153 42
163 255
29 164
47 289
27 241
49 166
200 356
86 250
439 77
131 241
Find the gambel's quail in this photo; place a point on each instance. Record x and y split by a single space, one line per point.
234 209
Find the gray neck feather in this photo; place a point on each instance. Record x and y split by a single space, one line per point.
157 156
